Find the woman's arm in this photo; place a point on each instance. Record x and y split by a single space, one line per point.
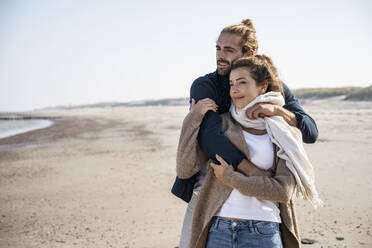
189 155
279 188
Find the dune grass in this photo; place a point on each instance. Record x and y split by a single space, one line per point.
363 94
350 93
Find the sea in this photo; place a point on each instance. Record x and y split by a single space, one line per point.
17 126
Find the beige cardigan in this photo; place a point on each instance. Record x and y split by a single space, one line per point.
279 188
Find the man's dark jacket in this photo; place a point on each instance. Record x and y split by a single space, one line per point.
211 139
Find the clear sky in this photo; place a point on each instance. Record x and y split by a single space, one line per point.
76 52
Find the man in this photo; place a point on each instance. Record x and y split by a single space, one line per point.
234 42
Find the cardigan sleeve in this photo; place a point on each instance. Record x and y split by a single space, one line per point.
188 151
279 188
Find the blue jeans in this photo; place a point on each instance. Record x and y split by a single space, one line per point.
224 233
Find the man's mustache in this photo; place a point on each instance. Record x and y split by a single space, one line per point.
223 61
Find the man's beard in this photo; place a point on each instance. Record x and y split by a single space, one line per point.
224 71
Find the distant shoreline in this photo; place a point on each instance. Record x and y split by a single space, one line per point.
304 95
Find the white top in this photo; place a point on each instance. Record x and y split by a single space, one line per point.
240 206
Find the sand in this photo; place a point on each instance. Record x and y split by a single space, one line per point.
102 178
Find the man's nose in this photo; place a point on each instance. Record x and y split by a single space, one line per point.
220 55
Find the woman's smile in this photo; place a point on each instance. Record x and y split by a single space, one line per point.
237 98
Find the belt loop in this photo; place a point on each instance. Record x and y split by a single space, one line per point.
250 225
216 222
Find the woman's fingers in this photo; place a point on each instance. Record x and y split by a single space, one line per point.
207 100
209 106
213 165
221 160
204 105
218 170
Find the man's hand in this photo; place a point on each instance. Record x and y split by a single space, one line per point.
249 169
261 110
267 109
219 169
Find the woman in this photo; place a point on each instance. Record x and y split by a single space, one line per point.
250 211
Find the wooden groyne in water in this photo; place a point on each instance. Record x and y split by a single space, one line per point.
24 117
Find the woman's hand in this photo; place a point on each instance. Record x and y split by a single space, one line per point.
219 169
203 106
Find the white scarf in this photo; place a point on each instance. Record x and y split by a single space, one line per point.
289 141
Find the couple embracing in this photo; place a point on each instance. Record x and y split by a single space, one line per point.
240 158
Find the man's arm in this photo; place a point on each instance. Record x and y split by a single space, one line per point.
269 109
210 137
292 113
305 123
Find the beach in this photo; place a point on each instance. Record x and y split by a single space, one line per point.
101 177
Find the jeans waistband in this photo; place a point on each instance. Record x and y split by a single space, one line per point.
217 220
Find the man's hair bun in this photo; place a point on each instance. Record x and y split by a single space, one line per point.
249 24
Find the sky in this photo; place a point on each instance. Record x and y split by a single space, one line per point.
75 52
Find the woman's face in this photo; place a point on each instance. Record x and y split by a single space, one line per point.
243 88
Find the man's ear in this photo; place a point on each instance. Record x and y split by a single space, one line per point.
248 53
265 85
